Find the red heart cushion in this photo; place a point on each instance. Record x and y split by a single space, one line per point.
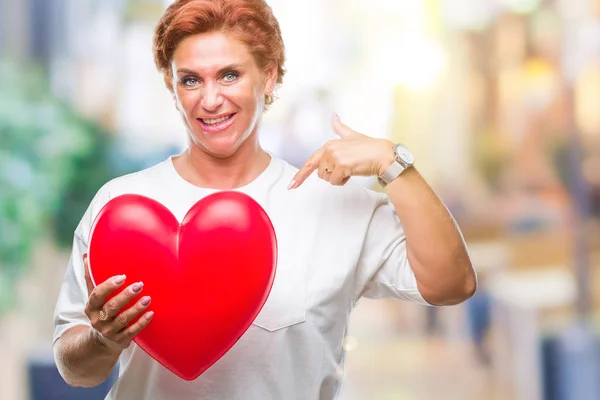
208 277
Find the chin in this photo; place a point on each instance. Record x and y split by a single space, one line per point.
221 148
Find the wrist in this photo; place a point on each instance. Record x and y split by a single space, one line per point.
403 159
387 157
405 179
100 341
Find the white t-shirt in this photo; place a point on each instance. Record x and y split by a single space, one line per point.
336 244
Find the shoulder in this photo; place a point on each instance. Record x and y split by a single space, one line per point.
136 182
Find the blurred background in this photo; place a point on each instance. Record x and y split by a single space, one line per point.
498 99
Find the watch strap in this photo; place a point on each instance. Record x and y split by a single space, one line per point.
391 173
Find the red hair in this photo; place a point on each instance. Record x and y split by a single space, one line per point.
250 21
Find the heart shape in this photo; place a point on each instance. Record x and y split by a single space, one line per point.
208 277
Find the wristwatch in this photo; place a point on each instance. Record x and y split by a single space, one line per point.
404 159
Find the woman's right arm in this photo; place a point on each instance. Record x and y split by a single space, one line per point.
86 355
83 359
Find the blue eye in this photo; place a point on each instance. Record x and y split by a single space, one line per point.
189 81
230 76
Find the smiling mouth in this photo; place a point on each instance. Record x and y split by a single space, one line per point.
216 121
216 124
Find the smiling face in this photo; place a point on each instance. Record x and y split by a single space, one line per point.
219 91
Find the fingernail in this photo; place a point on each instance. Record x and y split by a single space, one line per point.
145 300
336 117
149 315
120 279
292 184
137 286
85 256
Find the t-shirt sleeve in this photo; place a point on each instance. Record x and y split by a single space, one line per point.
73 296
383 270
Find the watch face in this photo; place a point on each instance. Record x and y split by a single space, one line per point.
404 154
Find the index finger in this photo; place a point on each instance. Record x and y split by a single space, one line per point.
307 169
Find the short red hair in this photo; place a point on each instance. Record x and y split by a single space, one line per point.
250 21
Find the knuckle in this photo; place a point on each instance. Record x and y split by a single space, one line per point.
141 326
123 340
137 328
336 157
131 332
122 319
112 306
94 296
120 338
142 323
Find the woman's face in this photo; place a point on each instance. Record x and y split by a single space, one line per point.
219 91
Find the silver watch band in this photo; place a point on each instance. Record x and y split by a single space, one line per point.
391 173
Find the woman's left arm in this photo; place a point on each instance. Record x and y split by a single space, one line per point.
435 247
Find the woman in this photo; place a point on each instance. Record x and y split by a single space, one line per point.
222 59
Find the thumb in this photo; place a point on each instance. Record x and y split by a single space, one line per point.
88 279
341 129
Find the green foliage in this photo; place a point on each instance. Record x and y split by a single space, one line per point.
89 170
51 164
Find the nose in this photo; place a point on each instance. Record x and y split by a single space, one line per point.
212 97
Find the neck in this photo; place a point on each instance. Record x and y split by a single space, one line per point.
200 168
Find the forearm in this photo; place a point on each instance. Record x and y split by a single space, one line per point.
82 359
435 246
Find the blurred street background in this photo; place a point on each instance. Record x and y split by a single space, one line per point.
498 99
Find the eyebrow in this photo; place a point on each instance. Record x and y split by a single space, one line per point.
225 68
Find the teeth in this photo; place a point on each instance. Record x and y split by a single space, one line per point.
214 121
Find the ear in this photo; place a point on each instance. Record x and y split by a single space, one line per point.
270 79
170 84
175 101
173 91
